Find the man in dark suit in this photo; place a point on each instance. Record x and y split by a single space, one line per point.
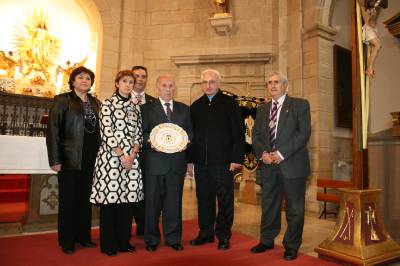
217 150
165 172
139 97
280 135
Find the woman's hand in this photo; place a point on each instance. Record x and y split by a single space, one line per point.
56 167
126 162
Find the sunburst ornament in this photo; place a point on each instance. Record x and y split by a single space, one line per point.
36 46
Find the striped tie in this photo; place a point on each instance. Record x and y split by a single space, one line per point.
272 125
169 111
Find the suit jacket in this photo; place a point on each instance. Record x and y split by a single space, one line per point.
153 114
219 134
149 98
293 133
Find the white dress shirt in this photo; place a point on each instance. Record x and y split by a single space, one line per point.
280 103
135 100
171 105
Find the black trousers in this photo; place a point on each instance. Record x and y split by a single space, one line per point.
74 208
115 226
163 194
273 188
214 183
138 211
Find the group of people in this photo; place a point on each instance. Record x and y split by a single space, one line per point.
103 156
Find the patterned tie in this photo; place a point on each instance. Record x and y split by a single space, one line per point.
169 111
139 99
272 125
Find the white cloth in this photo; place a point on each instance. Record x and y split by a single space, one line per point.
23 155
369 33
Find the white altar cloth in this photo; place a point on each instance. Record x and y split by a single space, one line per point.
23 155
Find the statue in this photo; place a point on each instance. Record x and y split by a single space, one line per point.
68 70
8 64
370 12
221 6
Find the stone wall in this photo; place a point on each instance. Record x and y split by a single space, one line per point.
176 37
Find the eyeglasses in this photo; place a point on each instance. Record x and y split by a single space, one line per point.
208 82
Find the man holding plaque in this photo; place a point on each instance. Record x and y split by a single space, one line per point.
167 130
217 151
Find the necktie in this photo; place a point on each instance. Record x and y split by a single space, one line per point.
273 125
169 111
139 99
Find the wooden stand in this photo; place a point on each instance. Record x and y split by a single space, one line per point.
249 192
359 237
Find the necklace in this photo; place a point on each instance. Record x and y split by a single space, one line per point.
90 118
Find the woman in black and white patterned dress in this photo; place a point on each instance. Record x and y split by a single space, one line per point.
118 184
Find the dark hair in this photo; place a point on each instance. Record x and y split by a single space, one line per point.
124 73
78 71
139 67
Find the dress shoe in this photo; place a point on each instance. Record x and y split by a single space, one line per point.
68 250
110 253
88 244
129 248
201 240
224 244
261 248
177 246
290 254
151 248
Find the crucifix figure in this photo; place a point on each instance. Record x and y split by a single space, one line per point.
370 12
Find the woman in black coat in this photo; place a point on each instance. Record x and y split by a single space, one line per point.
72 144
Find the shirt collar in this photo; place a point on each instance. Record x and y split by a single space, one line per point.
171 103
280 100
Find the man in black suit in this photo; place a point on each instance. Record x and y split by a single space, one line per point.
217 150
139 97
165 172
280 135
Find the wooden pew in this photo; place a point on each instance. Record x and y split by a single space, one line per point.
327 196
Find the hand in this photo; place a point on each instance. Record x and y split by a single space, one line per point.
133 155
267 158
234 166
126 162
276 158
56 167
190 168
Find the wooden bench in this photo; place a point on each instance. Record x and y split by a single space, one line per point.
326 196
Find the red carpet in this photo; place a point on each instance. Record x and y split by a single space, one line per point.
43 250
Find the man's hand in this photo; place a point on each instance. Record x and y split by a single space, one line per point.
267 157
234 166
276 158
190 168
56 167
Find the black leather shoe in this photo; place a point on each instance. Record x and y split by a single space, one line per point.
129 248
68 250
290 254
260 248
88 244
151 248
177 246
110 253
224 244
201 240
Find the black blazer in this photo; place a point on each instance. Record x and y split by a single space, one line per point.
293 133
159 163
218 127
65 130
149 98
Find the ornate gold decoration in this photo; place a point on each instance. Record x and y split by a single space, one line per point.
67 70
8 64
249 123
371 221
36 46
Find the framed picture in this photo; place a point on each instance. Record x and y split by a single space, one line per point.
342 87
